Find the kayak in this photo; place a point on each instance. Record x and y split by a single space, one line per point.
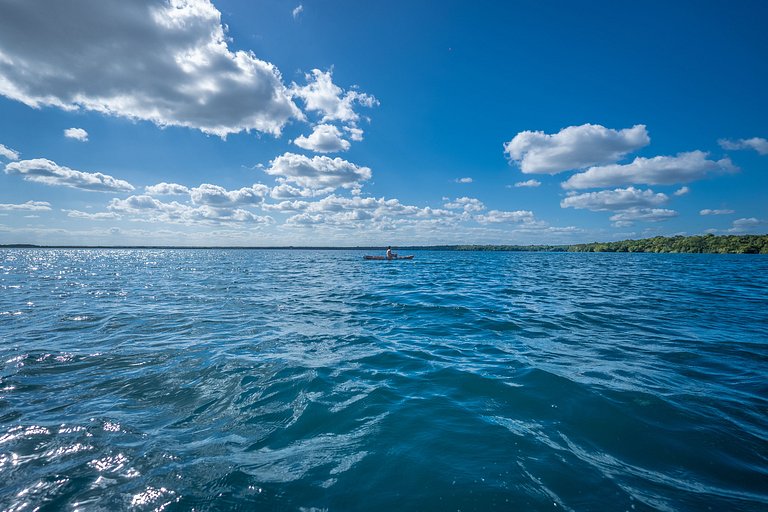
385 258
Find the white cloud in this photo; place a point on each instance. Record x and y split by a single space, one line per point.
659 170
496 216
628 217
318 172
42 170
76 214
574 147
463 180
77 134
297 11
757 143
323 96
348 212
8 153
285 191
614 200
355 133
468 204
164 61
286 206
682 191
707 211
166 189
528 183
214 195
325 138
149 209
33 206
746 224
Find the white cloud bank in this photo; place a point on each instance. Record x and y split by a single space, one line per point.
757 143
574 147
528 183
42 170
296 12
77 134
317 173
77 214
468 204
215 195
707 211
166 189
30 206
628 217
614 200
325 138
8 153
148 209
659 170
164 61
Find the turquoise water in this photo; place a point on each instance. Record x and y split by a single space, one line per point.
314 380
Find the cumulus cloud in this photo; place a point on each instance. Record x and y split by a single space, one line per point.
659 170
214 195
296 12
77 214
343 212
574 147
285 191
329 100
149 209
8 153
286 206
77 134
628 217
32 206
614 200
746 224
166 189
42 170
463 180
497 216
318 172
682 191
528 183
757 143
325 138
164 61
468 204
707 211
354 132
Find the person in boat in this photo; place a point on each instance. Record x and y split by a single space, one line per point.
390 255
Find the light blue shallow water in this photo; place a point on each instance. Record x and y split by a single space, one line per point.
314 380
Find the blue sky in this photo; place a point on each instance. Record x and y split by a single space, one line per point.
354 123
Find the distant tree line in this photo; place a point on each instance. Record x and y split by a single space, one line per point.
723 244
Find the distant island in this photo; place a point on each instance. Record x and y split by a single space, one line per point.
722 244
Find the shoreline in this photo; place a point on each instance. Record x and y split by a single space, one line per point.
703 244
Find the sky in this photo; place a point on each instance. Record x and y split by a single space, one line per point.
348 123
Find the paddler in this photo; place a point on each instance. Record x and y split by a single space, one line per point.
390 255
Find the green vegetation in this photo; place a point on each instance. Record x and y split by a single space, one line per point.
725 244
730 244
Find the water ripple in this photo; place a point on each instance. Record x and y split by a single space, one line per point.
314 380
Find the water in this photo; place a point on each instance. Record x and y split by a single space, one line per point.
314 380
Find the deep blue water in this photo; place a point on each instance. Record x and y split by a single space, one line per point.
314 380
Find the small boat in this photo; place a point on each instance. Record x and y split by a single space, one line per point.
386 259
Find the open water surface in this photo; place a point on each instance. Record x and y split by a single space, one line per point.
313 380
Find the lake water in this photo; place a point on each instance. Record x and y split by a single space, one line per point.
313 380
